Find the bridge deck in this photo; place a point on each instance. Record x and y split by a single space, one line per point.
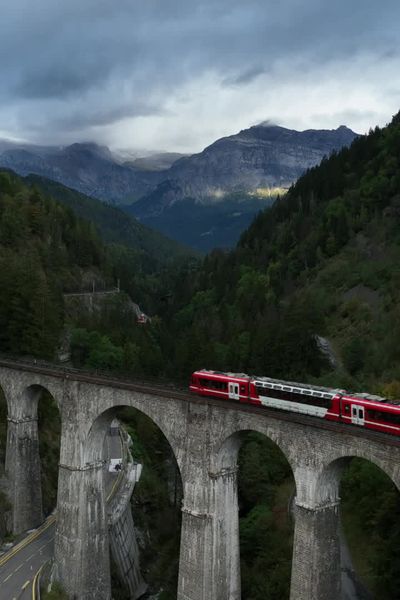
169 390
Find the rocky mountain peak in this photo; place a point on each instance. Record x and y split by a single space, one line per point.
89 149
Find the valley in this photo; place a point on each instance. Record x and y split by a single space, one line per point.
203 201
321 261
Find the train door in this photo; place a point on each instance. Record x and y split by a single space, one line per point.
357 414
233 389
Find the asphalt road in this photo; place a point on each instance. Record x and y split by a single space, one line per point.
20 565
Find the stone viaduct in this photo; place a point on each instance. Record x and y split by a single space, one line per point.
205 436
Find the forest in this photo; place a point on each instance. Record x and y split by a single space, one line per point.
322 262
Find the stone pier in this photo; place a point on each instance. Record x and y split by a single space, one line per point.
23 473
204 436
209 567
316 554
22 467
81 543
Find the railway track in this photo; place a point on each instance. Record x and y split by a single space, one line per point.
172 391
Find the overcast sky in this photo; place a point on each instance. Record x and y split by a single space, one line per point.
178 74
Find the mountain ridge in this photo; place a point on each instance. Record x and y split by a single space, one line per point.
236 175
94 170
231 174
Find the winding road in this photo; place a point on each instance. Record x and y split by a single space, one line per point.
19 566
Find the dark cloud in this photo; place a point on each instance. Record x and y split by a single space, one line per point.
245 77
70 66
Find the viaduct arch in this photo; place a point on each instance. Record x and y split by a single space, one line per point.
205 437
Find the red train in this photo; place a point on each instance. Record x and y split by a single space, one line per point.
364 410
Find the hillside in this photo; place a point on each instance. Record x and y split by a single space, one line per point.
261 157
86 167
44 249
323 260
205 200
203 227
116 227
209 198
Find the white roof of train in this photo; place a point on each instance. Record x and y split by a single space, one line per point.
301 386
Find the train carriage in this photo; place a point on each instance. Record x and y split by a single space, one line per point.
362 410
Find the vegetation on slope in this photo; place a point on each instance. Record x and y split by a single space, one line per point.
150 248
266 486
323 261
44 249
371 520
49 424
156 504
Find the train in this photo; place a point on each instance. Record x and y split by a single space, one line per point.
358 409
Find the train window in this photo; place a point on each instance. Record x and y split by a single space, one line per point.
242 389
292 396
347 408
384 416
213 384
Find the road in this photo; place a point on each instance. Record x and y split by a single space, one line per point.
19 566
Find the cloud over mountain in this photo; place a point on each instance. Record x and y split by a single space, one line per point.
177 74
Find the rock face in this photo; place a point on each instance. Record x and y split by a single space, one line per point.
263 156
208 199
205 200
88 168
159 161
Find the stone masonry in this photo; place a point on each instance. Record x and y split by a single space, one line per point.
205 439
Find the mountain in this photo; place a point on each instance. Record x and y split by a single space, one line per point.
86 167
263 156
322 261
205 200
157 161
208 199
202 226
44 251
